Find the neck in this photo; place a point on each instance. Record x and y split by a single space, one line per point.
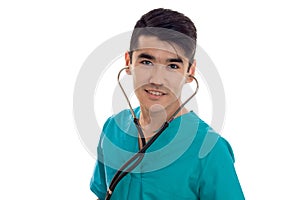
152 119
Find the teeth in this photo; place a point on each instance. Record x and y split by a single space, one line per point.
156 93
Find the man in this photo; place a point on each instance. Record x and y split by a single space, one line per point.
175 159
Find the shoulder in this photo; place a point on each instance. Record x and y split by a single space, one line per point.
122 120
215 145
208 140
119 127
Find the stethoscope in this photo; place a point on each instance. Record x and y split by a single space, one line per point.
135 160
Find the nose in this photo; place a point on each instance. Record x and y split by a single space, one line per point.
157 75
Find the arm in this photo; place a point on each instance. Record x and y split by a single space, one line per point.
98 184
98 180
219 180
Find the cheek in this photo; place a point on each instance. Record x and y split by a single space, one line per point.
176 85
177 80
140 78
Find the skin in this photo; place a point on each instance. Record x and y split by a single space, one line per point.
159 70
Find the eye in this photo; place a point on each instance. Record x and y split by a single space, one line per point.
173 66
146 62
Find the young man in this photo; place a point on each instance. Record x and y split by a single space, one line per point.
180 163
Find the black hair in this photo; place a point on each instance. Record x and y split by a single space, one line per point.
167 25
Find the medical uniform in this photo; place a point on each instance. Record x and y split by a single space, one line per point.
187 161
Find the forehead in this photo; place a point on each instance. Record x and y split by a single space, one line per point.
155 45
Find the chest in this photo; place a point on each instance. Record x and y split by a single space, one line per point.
158 177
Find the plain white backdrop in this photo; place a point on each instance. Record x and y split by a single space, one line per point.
43 44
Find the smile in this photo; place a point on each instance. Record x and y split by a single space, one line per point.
155 92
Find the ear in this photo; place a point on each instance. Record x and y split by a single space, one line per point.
191 72
127 62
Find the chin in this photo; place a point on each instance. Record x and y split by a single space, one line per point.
157 108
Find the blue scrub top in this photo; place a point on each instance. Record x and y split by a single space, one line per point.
187 161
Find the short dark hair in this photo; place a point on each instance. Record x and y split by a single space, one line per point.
167 25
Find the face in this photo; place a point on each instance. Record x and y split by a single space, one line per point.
159 71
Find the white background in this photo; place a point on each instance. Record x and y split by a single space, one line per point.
254 44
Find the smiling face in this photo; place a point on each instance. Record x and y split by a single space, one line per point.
159 71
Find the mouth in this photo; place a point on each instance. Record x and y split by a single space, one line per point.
155 93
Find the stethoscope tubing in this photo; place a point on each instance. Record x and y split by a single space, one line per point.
136 159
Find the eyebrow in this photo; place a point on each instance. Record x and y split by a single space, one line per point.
178 60
150 57
146 56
